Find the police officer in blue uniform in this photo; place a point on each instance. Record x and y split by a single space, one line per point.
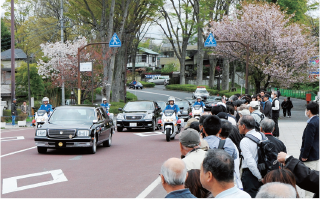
199 102
46 106
172 106
105 104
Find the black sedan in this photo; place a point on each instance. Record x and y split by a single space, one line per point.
212 101
138 85
138 114
185 109
75 126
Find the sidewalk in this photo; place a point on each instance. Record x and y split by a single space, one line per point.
291 129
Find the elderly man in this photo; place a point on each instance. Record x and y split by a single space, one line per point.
251 177
254 108
267 127
173 175
216 175
24 107
277 190
190 150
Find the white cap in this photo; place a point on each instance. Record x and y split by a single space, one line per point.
244 112
254 104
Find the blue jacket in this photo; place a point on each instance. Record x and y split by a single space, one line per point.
173 107
105 106
310 140
182 193
47 107
199 103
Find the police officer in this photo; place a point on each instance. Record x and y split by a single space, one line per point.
199 102
46 106
172 106
105 104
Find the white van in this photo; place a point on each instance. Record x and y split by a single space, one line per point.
158 79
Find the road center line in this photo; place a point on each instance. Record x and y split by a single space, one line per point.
18 151
154 93
148 190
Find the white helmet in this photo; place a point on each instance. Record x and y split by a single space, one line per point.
171 98
45 99
104 99
198 97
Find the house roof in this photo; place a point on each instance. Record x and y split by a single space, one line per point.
18 54
148 51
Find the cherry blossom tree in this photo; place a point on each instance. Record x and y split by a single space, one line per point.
60 64
279 50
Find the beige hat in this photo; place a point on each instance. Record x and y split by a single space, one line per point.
244 112
190 121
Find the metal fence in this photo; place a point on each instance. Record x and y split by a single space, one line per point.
294 93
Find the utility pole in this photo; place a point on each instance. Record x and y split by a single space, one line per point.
29 93
13 70
62 87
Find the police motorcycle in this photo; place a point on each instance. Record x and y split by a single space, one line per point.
171 125
41 117
197 110
165 82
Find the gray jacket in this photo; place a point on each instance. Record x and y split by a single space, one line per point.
25 108
268 109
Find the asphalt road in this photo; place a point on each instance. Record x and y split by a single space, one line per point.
128 169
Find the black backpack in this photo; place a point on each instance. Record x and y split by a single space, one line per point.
267 154
257 125
221 144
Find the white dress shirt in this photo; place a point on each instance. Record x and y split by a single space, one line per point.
276 104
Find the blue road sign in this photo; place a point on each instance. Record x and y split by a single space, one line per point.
134 82
210 41
115 41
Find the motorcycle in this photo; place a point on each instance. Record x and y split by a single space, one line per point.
197 111
166 82
41 117
171 126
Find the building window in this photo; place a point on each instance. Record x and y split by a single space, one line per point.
154 59
144 58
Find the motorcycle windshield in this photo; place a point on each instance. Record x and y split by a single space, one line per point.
197 107
168 112
41 112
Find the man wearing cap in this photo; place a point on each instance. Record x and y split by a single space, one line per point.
13 111
254 108
267 111
189 147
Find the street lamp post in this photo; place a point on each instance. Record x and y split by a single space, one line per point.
79 81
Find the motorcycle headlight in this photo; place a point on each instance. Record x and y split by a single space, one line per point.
42 119
120 117
83 133
41 132
148 117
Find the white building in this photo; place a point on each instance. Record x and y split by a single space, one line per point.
145 58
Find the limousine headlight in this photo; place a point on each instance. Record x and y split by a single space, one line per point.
83 133
41 132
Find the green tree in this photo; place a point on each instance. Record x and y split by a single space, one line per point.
36 82
5 37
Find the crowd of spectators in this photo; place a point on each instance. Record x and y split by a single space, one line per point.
220 159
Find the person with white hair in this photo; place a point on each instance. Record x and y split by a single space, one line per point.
173 175
276 190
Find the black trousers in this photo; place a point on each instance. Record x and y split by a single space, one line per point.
275 117
289 112
250 183
284 112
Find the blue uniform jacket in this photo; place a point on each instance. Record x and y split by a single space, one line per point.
47 107
173 107
105 106
199 103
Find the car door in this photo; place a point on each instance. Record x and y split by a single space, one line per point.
107 123
100 125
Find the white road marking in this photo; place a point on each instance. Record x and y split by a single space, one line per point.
151 187
18 151
10 184
11 138
157 94
148 133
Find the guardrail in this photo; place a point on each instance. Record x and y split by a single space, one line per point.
294 93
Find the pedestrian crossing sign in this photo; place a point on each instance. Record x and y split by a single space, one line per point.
210 41
115 41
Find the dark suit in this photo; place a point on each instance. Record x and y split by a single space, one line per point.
310 140
267 111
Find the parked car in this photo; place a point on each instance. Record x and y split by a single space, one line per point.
75 126
200 92
159 79
212 101
185 109
138 114
137 86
